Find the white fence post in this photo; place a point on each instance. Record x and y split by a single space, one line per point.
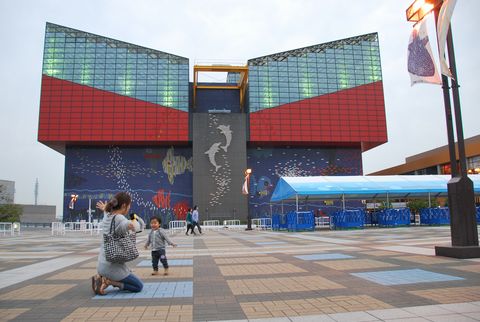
322 221
176 225
211 225
232 224
262 223
6 227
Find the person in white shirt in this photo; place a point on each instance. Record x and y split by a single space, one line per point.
195 219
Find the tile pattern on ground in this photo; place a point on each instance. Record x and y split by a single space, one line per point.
171 262
260 269
74 274
311 306
281 285
246 260
89 265
37 292
152 290
354 264
269 243
213 297
427 260
407 276
381 253
173 273
10 314
132 313
316 257
450 294
475 268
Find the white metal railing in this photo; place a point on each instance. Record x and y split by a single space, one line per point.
322 221
61 228
176 225
58 228
211 225
262 223
232 224
10 228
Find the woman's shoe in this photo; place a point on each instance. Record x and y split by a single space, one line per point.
96 284
105 283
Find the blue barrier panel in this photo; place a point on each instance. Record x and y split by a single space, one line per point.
394 217
279 222
435 216
346 219
302 220
478 215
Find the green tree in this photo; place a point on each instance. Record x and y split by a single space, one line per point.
416 204
10 212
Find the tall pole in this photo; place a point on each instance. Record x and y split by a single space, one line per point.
448 115
463 220
461 199
36 191
456 105
90 210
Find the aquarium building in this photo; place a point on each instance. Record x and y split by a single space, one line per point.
128 118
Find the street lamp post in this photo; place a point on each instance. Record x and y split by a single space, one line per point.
461 199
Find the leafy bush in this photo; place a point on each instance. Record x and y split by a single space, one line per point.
10 213
416 204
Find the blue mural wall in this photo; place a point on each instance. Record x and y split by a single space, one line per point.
269 164
159 180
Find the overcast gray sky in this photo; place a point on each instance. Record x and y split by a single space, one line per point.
226 30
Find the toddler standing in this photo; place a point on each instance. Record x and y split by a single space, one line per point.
157 238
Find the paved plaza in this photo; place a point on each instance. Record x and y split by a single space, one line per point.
358 275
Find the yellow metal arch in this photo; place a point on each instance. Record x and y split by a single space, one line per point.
241 85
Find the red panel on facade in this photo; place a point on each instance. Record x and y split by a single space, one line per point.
351 116
73 113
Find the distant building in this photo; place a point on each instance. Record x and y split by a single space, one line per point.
32 215
35 215
437 161
7 191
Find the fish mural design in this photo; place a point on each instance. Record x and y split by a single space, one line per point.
174 165
225 130
211 154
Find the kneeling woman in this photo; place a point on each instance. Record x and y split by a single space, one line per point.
115 274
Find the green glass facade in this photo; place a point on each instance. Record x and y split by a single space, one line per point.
313 71
116 66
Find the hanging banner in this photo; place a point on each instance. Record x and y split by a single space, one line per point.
443 24
421 64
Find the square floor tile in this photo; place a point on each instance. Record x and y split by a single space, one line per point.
171 262
315 257
407 276
152 290
270 243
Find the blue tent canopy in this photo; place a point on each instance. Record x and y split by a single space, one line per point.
365 187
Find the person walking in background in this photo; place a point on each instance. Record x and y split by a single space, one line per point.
115 274
157 238
189 222
195 219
